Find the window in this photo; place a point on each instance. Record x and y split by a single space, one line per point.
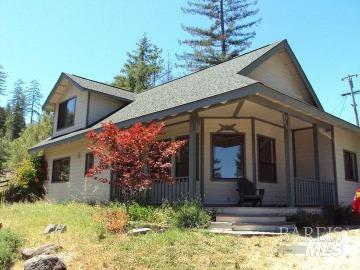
182 159
267 159
89 162
66 113
228 156
61 170
350 165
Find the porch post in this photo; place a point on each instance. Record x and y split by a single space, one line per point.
192 153
317 160
334 164
288 160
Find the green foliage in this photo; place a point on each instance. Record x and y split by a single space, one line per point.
25 174
27 181
228 35
3 77
330 216
2 121
190 214
142 68
15 121
4 152
306 219
34 98
141 213
9 243
33 134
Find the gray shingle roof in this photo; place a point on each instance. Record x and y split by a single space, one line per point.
209 82
102 87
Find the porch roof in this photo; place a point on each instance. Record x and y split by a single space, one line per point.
256 92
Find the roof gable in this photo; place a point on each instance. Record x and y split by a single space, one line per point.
84 84
280 69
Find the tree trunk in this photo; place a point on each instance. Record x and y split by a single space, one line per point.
223 45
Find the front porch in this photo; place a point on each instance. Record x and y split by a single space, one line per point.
288 154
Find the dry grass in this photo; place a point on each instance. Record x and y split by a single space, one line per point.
174 249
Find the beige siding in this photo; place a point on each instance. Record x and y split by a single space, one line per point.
80 110
79 187
101 106
275 193
345 140
304 154
280 73
326 156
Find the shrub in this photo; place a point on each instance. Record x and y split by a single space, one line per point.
139 212
306 219
190 214
164 214
340 215
27 182
114 220
330 216
9 242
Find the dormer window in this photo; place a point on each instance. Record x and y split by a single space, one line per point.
66 114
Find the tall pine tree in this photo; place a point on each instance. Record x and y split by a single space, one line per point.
231 31
3 116
142 69
3 77
33 100
15 121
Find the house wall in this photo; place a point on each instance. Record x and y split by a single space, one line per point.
326 156
304 153
80 110
280 73
345 140
101 106
79 187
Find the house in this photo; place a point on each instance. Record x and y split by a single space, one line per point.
255 117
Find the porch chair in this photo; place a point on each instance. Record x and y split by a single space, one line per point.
248 192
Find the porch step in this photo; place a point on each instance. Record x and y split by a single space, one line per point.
250 218
221 225
263 227
263 211
256 211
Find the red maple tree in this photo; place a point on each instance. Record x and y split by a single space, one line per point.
135 155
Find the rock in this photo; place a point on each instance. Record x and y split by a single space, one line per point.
139 231
44 262
47 249
52 228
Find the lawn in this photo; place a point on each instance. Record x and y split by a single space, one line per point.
172 249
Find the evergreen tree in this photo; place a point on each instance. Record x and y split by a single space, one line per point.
142 69
2 120
167 74
34 97
3 77
18 148
229 34
15 121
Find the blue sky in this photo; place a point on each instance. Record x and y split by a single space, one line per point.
40 39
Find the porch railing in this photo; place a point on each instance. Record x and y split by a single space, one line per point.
159 192
310 192
171 192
